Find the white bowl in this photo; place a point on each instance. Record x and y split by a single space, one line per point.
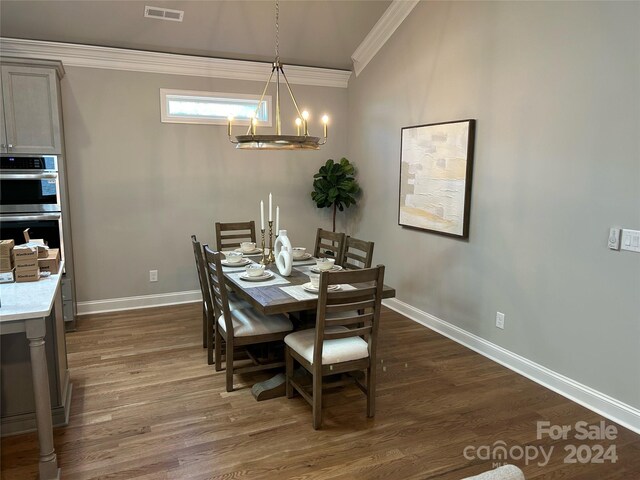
248 246
325 264
314 279
255 270
298 252
233 257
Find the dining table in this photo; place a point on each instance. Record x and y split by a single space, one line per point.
278 294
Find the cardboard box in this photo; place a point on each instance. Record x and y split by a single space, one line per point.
51 263
6 264
35 242
26 264
5 247
22 252
7 277
28 275
6 255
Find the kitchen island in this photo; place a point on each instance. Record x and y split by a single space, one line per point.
35 310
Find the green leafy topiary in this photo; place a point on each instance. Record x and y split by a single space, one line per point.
335 186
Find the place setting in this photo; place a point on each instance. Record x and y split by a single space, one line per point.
249 248
235 259
256 275
325 265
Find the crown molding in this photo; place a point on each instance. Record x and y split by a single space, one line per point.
90 56
381 32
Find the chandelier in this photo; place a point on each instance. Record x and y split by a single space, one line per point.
302 140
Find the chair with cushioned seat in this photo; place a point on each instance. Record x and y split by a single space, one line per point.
208 315
332 347
241 327
231 235
204 287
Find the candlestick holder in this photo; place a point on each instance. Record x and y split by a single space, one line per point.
263 260
271 258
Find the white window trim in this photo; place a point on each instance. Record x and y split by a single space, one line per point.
166 118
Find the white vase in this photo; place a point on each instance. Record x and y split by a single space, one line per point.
282 251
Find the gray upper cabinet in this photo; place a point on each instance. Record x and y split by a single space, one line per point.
31 113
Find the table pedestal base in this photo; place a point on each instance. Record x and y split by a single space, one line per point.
272 388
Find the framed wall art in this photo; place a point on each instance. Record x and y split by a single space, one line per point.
436 165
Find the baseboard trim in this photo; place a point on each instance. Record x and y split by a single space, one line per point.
608 407
142 301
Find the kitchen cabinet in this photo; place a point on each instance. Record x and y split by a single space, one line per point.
31 113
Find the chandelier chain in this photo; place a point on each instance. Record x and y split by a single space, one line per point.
277 30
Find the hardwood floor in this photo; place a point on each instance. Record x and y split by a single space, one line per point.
147 406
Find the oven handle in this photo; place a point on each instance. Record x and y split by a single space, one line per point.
26 218
29 176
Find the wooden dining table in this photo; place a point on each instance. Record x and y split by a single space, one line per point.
280 294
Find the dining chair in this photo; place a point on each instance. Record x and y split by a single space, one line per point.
231 235
357 254
241 327
204 288
329 244
332 347
208 313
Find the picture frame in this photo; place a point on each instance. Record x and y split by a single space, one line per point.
436 169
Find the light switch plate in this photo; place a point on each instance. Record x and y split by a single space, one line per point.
614 238
630 240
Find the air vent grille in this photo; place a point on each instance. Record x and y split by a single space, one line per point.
163 13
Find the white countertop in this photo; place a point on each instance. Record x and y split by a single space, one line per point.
21 301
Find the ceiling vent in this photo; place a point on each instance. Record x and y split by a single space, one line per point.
163 13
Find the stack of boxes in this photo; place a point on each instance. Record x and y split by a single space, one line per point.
26 261
23 263
6 261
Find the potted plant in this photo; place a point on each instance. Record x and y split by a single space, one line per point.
335 186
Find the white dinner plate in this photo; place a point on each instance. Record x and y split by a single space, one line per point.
241 263
310 288
250 252
335 268
266 276
306 256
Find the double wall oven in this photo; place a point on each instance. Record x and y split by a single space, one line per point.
31 196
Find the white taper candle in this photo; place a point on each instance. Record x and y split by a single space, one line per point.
270 208
261 215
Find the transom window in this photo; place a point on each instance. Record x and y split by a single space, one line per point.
185 106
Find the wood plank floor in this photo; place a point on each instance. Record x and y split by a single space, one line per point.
146 406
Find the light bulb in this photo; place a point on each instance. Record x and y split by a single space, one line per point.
325 119
305 115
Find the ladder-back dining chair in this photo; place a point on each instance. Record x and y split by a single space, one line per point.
332 347
208 311
357 254
204 289
329 244
242 327
231 235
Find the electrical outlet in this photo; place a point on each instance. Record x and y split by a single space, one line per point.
614 238
153 275
500 320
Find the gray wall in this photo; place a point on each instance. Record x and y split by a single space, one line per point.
555 89
139 188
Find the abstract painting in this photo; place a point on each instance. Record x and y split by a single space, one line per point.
436 163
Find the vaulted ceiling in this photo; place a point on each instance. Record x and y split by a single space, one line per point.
314 33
